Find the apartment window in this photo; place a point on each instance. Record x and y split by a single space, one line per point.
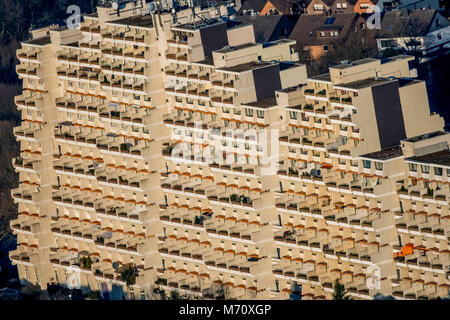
413 167
341 161
448 172
318 7
293 115
378 165
249 112
438 171
225 110
338 5
344 5
353 163
425 168
260 114
322 33
366 164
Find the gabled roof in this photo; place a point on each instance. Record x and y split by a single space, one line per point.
401 23
258 5
270 28
330 3
307 26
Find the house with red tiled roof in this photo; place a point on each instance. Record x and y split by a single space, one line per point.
330 6
318 34
266 7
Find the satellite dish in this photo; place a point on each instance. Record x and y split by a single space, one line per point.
115 5
115 265
152 7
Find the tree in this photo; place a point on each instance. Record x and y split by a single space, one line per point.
411 35
129 276
340 293
175 295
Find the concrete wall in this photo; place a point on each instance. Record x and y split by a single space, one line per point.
241 35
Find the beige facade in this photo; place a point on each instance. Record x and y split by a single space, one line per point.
145 145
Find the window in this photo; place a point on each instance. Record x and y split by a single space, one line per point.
249 112
378 165
260 114
322 33
412 167
425 168
439 36
338 5
366 164
438 171
293 115
225 110
448 172
344 5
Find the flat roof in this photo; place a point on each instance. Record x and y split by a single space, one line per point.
369 82
291 89
354 63
247 66
235 48
135 21
277 42
440 158
263 103
209 61
403 82
284 65
192 26
385 154
426 136
397 58
42 41
321 77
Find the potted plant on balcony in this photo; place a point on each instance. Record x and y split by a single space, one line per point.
93 295
129 275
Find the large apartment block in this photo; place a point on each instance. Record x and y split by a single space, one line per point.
163 152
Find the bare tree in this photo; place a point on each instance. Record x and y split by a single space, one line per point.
412 36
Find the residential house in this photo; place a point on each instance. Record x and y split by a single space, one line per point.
365 6
318 34
330 6
265 7
423 33
270 28
390 5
